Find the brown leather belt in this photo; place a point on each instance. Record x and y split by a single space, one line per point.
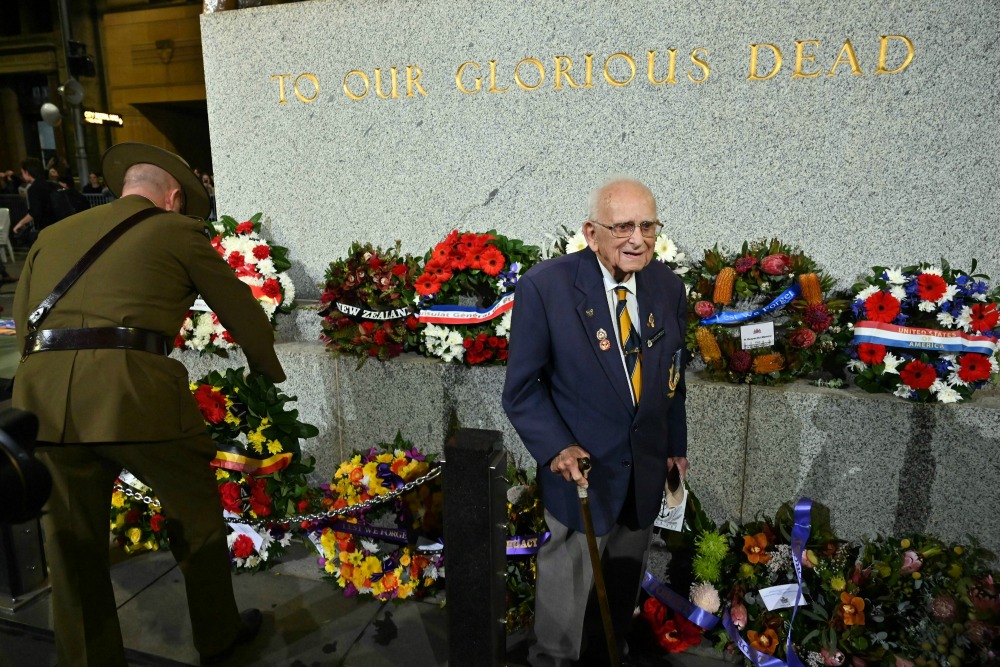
99 338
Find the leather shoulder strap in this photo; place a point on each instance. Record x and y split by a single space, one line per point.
39 314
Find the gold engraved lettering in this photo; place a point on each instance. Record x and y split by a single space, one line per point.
754 76
281 86
541 74
347 88
883 51
607 72
568 63
315 83
700 64
394 92
651 67
801 57
846 56
414 81
493 79
588 79
458 78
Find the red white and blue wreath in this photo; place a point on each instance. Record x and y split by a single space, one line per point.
925 333
465 295
257 263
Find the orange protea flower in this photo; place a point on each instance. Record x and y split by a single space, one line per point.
754 547
851 609
765 642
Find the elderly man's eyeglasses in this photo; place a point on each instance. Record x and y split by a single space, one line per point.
623 230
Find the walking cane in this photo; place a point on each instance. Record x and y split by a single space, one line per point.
595 562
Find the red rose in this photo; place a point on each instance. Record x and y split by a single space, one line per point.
235 260
802 338
974 367
243 547
261 252
260 502
881 307
380 337
244 228
156 522
931 287
399 270
984 316
232 497
918 375
704 309
871 353
271 288
368 327
776 265
132 516
412 323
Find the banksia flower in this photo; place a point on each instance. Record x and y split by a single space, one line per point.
811 290
708 346
768 363
740 361
724 286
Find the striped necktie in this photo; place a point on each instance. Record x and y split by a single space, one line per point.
630 343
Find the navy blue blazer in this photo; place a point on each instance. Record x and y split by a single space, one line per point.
561 388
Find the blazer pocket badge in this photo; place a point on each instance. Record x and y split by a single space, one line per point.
674 376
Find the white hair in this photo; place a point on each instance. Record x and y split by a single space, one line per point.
596 195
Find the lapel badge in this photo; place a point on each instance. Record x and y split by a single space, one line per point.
605 344
649 343
602 334
651 321
590 312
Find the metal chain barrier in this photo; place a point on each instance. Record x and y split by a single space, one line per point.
298 519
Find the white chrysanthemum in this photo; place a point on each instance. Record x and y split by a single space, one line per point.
945 319
576 243
964 319
665 249
932 270
902 391
944 393
252 561
894 276
949 294
867 292
287 286
369 545
978 296
503 326
431 572
954 380
266 267
856 366
898 292
993 364
927 306
706 597
891 362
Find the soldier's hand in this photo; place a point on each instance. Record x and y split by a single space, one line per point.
567 464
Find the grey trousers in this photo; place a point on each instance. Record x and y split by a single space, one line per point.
568 623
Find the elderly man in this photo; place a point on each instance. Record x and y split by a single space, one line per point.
596 371
96 372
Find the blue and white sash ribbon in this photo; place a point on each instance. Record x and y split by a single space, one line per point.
779 302
891 335
452 314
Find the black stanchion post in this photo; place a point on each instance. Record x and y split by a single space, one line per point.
475 519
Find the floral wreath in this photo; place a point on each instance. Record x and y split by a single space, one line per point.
525 520
135 525
924 332
766 283
257 263
377 552
259 465
367 301
665 249
465 295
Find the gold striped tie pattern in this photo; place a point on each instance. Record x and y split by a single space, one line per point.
630 343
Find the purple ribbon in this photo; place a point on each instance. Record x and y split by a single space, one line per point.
526 545
678 602
396 535
800 535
